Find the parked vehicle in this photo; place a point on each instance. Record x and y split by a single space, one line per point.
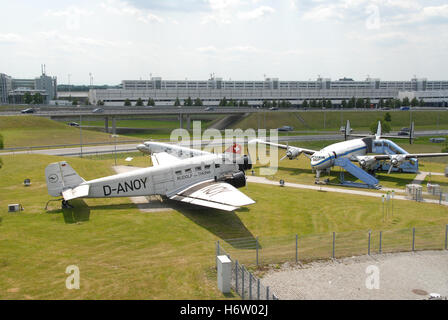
98 110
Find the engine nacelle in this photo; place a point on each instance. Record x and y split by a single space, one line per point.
397 160
293 153
366 162
238 180
246 163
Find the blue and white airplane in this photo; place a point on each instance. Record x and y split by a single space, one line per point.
357 150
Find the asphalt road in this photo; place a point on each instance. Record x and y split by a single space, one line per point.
75 151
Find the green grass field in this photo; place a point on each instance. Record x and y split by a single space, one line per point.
21 131
333 120
123 253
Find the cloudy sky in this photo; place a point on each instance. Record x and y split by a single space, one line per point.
234 39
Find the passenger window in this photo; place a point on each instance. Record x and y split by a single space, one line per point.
187 170
207 167
178 172
198 168
217 165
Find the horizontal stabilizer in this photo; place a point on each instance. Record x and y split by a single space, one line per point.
78 192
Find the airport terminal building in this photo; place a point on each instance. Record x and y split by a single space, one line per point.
13 90
165 92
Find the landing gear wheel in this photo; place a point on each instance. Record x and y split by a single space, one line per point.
66 205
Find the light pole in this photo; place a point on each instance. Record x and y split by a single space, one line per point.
115 136
80 133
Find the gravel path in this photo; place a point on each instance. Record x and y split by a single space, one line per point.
410 276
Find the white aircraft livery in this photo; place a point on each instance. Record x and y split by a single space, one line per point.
357 150
184 174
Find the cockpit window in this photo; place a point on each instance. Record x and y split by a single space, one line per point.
317 158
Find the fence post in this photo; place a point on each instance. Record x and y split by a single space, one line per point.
250 286
368 251
413 239
258 289
297 248
236 276
446 237
267 293
256 246
334 240
242 282
381 241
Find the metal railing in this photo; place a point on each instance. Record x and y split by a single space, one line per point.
244 282
305 248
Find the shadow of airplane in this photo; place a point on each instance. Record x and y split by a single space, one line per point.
225 225
79 213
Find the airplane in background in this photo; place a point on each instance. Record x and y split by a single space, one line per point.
178 173
357 150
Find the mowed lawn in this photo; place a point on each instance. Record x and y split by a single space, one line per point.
123 253
24 131
332 120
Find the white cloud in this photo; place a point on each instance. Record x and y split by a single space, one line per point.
256 13
122 8
11 38
324 13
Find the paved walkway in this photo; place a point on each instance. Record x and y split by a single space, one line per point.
263 180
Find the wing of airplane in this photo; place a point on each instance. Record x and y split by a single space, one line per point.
407 156
218 195
395 159
291 151
164 158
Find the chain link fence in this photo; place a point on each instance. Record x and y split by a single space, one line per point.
306 248
244 282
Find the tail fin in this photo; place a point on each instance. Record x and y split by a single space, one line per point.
60 176
378 131
347 130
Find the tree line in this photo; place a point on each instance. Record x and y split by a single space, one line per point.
352 103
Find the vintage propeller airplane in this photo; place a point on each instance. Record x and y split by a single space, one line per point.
357 150
178 173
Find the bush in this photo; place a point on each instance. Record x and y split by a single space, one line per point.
385 126
1 142
1 163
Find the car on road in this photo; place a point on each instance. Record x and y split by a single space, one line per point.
273 108
285 128
73 124
405 108
209 109
404 132
98 110
28 110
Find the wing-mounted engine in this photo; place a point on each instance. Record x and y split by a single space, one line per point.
238 180
292 153
396 160
366 162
